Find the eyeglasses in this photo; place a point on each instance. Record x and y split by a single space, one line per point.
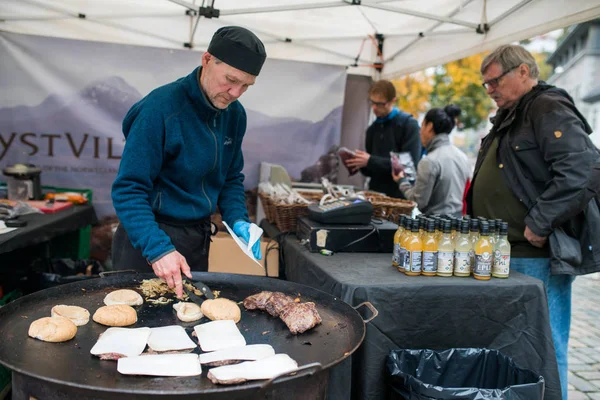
378 104
494 82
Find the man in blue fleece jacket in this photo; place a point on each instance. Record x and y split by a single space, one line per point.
182 159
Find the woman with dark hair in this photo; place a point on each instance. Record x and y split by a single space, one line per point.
443 172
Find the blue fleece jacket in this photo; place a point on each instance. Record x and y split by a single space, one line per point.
182 158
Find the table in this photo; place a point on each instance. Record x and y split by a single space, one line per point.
510 315
43 227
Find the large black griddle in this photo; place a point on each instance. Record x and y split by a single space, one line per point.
70 363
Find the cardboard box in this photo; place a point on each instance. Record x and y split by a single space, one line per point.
226 256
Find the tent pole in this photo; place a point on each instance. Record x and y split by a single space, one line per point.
505 14
419 14
291 7
185 4
422 35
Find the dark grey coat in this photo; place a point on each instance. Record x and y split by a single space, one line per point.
552 166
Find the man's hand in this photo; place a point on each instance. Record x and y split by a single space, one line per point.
170 268
242 229
396 178
360 160
535 240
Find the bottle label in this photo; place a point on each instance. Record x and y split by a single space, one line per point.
401 257
430 261
501 264
415 261
483 264
406 261
444 261
472 257
462 262
396 253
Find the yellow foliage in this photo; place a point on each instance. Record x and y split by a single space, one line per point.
545 69
412 92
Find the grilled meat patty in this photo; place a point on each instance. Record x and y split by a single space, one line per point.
277 302
257 301
300 317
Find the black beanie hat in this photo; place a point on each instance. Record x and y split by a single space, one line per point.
239 48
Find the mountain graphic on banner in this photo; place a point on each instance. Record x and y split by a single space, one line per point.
106 99
88 134
291 142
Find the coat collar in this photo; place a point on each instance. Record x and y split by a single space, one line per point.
439 140
191 84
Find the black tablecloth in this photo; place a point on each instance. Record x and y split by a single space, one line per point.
510 315
43 227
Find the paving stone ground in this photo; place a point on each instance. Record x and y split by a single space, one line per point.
584 345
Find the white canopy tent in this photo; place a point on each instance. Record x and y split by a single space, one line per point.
414 34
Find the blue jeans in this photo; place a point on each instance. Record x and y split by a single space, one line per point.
558 291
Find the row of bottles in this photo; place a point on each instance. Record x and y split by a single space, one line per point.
446 246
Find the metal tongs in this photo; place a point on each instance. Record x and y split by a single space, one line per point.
208 294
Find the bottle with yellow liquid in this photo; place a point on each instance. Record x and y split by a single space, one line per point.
414 248
430 250
402 257
445 257
492 227
438 228
454 226
501 268
397 236
484 249
498 225
422 227
473 237
462 251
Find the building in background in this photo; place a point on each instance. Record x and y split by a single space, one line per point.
576 63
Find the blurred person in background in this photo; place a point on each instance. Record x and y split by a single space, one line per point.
392 131
443 173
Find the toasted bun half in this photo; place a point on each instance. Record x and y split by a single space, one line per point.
188 312
124 296
53 329
115 315
78 315
221 309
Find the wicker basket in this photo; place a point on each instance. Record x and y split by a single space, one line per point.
286 215
283 215
390 208
267 204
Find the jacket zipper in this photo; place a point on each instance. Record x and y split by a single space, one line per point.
158 200
216 158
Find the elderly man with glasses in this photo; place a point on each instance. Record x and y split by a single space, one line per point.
392 131
538 170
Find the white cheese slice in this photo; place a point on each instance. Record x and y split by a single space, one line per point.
160 365
126 341
251 352
219 335
266 368
170 338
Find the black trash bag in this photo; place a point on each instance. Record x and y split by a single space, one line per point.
466 374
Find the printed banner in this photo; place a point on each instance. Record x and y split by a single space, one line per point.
62 103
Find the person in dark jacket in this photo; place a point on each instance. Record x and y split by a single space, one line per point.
182 159
443 171
538 170
393 130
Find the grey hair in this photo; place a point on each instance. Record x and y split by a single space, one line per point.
510 56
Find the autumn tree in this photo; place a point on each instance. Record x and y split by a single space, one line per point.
546 70
459 82
412 92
